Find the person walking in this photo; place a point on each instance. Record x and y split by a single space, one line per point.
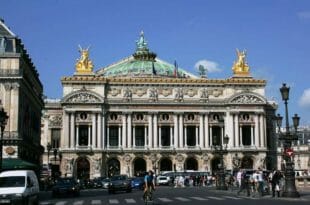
275 182
244 184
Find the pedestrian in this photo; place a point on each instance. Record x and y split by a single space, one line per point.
244 184
275 181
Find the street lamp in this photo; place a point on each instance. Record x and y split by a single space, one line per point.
55 152
49 147
221 151
287 137
3 120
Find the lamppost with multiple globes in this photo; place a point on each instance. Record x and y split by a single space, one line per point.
221 151
3 120
287 137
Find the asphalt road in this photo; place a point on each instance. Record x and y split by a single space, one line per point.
169 195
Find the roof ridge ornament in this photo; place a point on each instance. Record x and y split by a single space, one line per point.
84 65
241 67
142 43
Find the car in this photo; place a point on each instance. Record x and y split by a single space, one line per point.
137 183
162 180
66 185
105 183
19 187
119 183
97 182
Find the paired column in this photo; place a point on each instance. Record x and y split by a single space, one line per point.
201 132
124 131
72 134
181 135
93 143
176 132
150 136
129 131
206 136
65 140
155 136
236 129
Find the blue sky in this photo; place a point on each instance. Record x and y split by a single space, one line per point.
275 34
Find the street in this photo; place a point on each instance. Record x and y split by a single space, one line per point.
168 195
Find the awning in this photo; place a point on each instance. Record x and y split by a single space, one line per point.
12 164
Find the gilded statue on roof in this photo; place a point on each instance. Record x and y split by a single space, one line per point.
240 66
84 64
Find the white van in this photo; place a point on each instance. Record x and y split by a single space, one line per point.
19 187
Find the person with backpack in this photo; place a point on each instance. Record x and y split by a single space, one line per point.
149 184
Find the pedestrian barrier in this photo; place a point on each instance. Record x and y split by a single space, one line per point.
302 181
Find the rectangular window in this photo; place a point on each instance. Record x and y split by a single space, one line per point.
113 132
55 137
139 135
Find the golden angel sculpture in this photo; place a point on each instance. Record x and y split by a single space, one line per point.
240 66
84 65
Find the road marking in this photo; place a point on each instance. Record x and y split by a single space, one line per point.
231 197
96 202
61 203
182 199
216 198
130 201
165 200
198 198
113 201
78 202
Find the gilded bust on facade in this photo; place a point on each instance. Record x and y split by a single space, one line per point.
84 65
240 66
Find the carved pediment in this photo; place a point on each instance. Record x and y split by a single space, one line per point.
83 97
247 99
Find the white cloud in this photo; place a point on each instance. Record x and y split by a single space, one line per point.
304 101
209 65
304 14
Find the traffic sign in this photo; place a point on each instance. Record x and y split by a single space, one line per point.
289 152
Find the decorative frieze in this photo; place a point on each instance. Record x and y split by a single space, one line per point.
55 121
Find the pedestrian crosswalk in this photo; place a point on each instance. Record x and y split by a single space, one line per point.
162 200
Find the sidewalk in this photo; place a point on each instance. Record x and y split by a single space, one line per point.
304 192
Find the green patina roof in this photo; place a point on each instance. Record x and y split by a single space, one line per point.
143 63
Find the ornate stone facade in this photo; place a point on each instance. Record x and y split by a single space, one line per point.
116 123
21 97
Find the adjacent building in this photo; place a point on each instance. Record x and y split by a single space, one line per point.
21 97
143 113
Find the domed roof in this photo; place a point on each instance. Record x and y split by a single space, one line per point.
143 63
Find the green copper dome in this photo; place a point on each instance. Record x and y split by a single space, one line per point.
143 63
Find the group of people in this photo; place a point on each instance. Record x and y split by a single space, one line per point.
258 183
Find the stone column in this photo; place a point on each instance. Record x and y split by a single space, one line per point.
124 131
176 129
237 137
99 135
129 140
211 136
256 133
134 136
252 135
72 134
159 136
145 136
171 136
155 131
240 133
207 136
222 131
89 136
77 136
181 136
150 137
66 131
185 136
103 131
108 136
93 143
197 133
119 136
262 132
201 131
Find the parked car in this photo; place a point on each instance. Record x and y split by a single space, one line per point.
119 183
137 183
162 180
19 187
66 186
97 182
105 183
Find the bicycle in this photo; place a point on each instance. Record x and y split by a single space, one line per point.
148 196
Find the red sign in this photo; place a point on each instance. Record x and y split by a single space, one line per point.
289 152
